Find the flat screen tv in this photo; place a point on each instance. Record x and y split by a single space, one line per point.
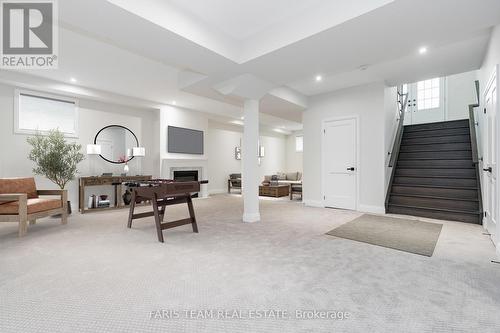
185 141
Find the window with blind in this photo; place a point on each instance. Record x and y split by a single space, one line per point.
39 112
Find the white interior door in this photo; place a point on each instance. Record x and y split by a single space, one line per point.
490 159
340 163
425 102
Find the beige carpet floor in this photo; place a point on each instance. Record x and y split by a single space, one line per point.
395 233
95 275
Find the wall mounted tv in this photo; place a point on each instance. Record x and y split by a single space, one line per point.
185 140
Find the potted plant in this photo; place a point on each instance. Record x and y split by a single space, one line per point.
55 158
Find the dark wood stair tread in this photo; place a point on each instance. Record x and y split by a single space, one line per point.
439 209
430 197
426 143
436 150
443 124
430 159
436 164
408 129
434 167
439 186
438 135
442 177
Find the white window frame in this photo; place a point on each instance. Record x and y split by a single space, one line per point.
296 150
17 96
440 96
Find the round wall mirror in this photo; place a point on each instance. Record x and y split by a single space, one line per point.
116 143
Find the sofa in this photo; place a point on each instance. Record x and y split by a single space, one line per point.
22 202
285 178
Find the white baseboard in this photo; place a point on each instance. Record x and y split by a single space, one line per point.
217 191
314 203
361 208
371 209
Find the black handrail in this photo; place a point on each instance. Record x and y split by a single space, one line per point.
403 103
475 154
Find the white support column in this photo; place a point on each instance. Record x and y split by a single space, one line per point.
250 173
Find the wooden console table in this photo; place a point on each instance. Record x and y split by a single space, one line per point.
274 190
115 181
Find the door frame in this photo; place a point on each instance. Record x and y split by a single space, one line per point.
493 79
323 146
413 94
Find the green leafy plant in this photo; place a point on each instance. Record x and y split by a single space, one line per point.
55 158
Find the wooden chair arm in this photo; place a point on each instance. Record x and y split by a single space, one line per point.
21 198
50 192
62 193
13 197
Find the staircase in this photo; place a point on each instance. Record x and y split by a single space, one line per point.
435 175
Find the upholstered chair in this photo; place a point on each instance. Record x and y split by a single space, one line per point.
21 202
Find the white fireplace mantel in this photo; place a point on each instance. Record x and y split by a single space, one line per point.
170 165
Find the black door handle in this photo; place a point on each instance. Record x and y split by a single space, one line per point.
351 169
489 169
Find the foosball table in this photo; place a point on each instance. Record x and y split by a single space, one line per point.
163 193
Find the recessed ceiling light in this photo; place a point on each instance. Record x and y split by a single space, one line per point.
422 50
319 78
174 102
73 80
242 117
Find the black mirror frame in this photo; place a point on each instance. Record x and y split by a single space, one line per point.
104 158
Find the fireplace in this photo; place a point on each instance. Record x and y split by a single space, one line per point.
185 176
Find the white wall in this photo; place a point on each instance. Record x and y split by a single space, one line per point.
92 117
391 124
459 94
294 159
366 102
275 157
492 57
179 117
221 142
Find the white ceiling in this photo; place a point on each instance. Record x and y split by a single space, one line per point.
462 56
243 30
241 19
119 51
384 37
